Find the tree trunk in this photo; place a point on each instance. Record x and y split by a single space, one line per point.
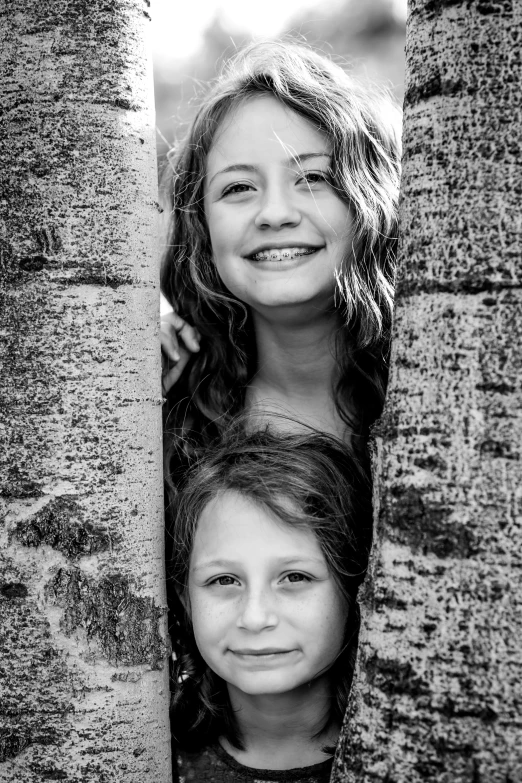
438 691
83 650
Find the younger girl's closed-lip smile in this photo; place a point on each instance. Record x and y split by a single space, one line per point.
265 652
264 657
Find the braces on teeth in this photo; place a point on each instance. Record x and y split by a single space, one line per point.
279 255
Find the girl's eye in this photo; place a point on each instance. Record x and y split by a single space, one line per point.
315 177
238 187
297 577
224 581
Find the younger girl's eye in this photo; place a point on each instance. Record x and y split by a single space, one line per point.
297 577
224 581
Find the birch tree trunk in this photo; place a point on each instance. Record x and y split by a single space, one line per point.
83 648
438 693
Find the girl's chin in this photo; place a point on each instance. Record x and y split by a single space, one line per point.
264 686
292 302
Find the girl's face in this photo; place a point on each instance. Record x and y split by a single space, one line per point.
278 229
268 616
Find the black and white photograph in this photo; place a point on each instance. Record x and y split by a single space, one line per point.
260 391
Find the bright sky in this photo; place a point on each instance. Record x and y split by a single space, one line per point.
177 25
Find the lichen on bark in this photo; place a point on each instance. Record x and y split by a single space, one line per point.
123 625
61 525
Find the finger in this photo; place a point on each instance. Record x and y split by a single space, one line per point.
169 344
173 324
174 320
190 337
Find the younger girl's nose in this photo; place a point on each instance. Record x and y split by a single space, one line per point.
257 612
277 210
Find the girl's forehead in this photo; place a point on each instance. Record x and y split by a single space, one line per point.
234 525
263 124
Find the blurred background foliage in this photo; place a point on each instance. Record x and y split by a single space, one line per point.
365 35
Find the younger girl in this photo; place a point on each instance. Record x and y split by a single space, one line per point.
280 255
270 544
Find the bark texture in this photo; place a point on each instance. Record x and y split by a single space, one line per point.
83 649
438 693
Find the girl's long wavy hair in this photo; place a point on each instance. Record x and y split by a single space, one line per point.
363 126
304 480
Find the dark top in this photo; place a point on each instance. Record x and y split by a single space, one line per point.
215 765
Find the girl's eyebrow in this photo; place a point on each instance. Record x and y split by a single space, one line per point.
286 561
291 160
214 564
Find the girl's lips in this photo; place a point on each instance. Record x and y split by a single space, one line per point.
265 651
278 255
275 251
261 653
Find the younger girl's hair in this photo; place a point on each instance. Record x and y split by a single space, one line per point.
304 480
363 126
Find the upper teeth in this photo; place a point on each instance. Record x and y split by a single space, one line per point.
287 252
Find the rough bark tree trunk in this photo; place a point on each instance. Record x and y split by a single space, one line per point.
83 647
438 692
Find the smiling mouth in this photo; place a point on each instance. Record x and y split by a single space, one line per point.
261 653
283 254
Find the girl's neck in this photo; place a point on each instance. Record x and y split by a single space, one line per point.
296 372
289 353
278 731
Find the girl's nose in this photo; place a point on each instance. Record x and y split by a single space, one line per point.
257 612
277 210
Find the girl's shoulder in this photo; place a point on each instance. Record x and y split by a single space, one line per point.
216 765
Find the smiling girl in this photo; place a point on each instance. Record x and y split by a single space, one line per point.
271 542
280 257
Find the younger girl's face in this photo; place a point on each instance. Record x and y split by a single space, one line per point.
268 616
278 229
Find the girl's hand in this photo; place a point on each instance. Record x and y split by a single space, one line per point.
179 341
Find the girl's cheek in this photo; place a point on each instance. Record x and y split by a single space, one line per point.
207 612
